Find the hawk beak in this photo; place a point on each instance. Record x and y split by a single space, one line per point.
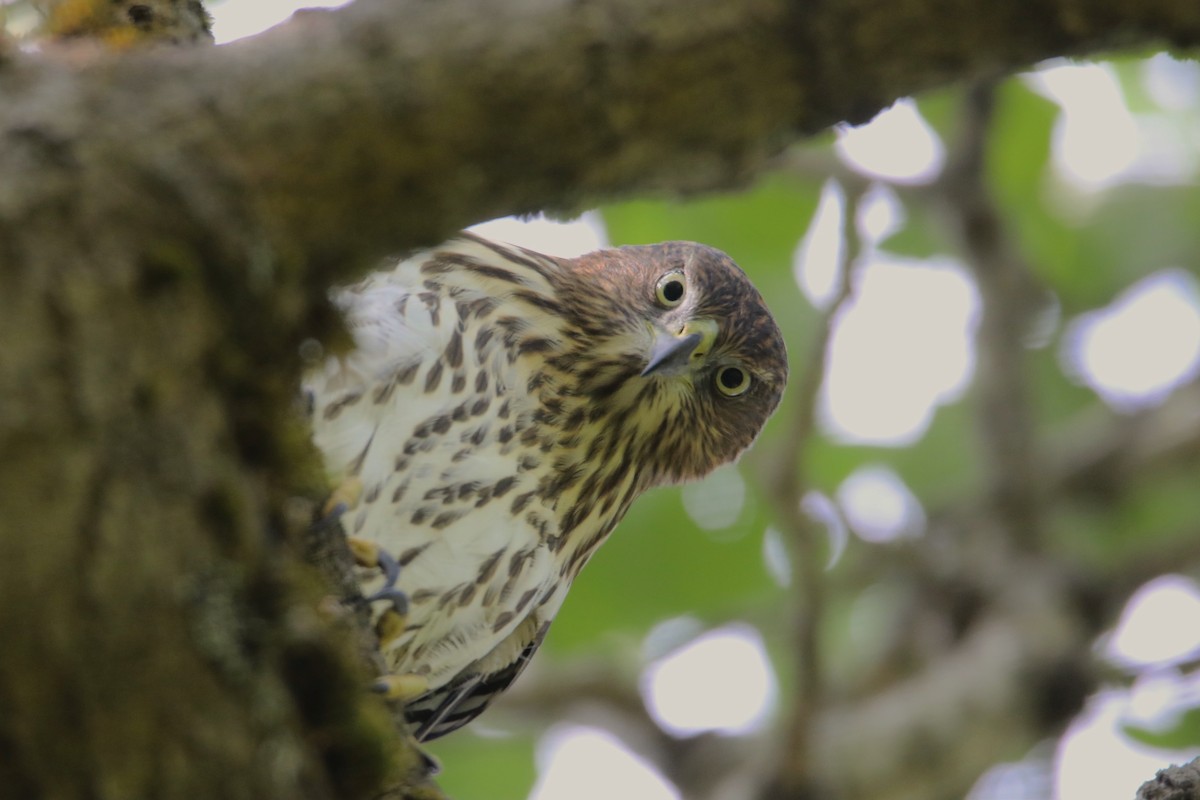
672 354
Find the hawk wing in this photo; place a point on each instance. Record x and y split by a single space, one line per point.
465 697
425 413
403 320
396 329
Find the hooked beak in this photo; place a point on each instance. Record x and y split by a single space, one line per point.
672 354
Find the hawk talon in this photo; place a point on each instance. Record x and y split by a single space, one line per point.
429 763
368 554
428 760
330 516
390 626
397 597
343 498
392 621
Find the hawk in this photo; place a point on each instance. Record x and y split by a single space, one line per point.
498 414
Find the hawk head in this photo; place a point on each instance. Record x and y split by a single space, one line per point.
677 354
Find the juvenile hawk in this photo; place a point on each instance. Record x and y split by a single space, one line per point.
500 412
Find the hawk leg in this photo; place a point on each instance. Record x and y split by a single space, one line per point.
343 498
392 621
368 554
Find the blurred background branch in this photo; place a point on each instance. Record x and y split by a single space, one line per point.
989 605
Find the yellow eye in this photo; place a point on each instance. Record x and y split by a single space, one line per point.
671 289
732 381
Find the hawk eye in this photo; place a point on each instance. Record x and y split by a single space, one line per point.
670 290
732 381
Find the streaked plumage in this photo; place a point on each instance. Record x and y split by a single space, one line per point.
495 411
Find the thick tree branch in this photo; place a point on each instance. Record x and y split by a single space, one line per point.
1174 783
401 121
170 222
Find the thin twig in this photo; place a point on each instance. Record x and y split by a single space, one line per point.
1010 297
787 485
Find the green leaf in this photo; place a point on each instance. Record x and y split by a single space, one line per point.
1137 229
479 768
658 564
1019 172
921 236
759 228
941 109
1130 71
1018 145
1182 735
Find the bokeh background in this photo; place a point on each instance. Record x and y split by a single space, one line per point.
990 297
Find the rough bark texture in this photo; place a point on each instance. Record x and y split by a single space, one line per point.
126 23
1173 783
169 222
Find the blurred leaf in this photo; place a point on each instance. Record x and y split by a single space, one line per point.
759 227
1109 529
660 564
1184 734
1057 399
1019 174
1132 230
936 468
485 768
921 236
1018 149
940 109
1130 71
1158 509
1136 230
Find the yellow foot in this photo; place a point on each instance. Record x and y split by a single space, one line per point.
430 766
392 621
345 496
366 553
390 625
402 687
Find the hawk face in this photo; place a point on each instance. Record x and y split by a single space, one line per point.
679 357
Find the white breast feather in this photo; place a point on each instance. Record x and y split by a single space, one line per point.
393 329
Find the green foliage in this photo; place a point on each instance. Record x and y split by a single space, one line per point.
662 563
479 768
1183 734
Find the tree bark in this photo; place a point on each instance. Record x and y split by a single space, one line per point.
1173 783
169 224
